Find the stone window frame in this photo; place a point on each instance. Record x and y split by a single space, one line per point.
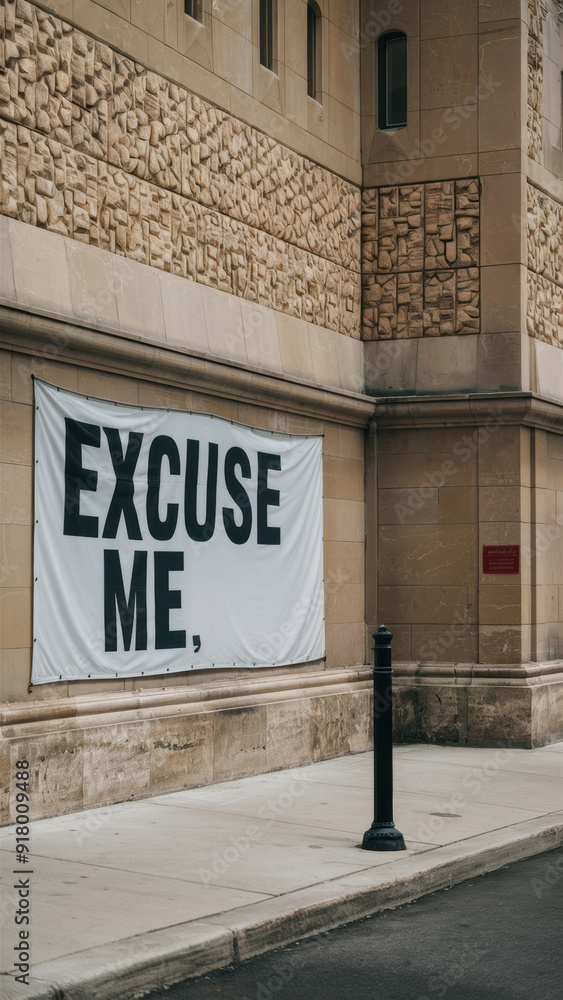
194 33
383 124
192 8
268 35
314 51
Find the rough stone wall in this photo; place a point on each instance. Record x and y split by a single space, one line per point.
100 149
535 80
420 260
545 268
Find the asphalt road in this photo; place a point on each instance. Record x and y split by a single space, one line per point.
497 937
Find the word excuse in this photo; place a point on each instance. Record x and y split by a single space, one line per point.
236 467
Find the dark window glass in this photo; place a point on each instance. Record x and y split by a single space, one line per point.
266 34
313 51
191 8
392 81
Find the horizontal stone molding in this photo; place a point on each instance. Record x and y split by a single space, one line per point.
32 333
478 704
476 409
23 719
481 674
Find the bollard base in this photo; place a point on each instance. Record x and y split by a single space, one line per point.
383 837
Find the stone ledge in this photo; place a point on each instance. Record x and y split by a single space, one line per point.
476 408
506 675
104 758
31 332
477 704
183 700
54 275
23 719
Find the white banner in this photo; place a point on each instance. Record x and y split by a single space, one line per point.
169 541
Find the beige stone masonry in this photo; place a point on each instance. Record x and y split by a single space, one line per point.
534 83
545 267
542 139
96 147
96 748
225 382
469 704
546 364
89 750
110 294
420 260
456 474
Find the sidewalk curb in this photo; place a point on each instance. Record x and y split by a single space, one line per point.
136 965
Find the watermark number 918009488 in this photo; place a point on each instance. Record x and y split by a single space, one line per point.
22 886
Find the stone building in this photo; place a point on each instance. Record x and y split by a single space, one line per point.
338 218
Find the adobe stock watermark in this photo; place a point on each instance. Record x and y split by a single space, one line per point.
464 449
238 846
374 368
456 972
452 119
376 22
471 785
546 536
436 650
87 825
283 973
552 873
270 643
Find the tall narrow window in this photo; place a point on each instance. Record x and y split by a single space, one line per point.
314 23
193 9
392 80
267 33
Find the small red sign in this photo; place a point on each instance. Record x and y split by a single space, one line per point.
501 558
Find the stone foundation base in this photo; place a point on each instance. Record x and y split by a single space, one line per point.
94 750
478 705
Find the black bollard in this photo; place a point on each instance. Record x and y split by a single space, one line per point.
382 835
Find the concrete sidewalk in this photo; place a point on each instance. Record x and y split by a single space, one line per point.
139 895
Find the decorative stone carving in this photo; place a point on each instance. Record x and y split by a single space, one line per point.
98 148
545 267
535 98
545 310
420 260
537 12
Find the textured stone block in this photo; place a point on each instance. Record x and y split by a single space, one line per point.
116 763
501 715
340 724
289 733
95 146
534 89
56 761
239 741
433 714
420 260
181 752
545 268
